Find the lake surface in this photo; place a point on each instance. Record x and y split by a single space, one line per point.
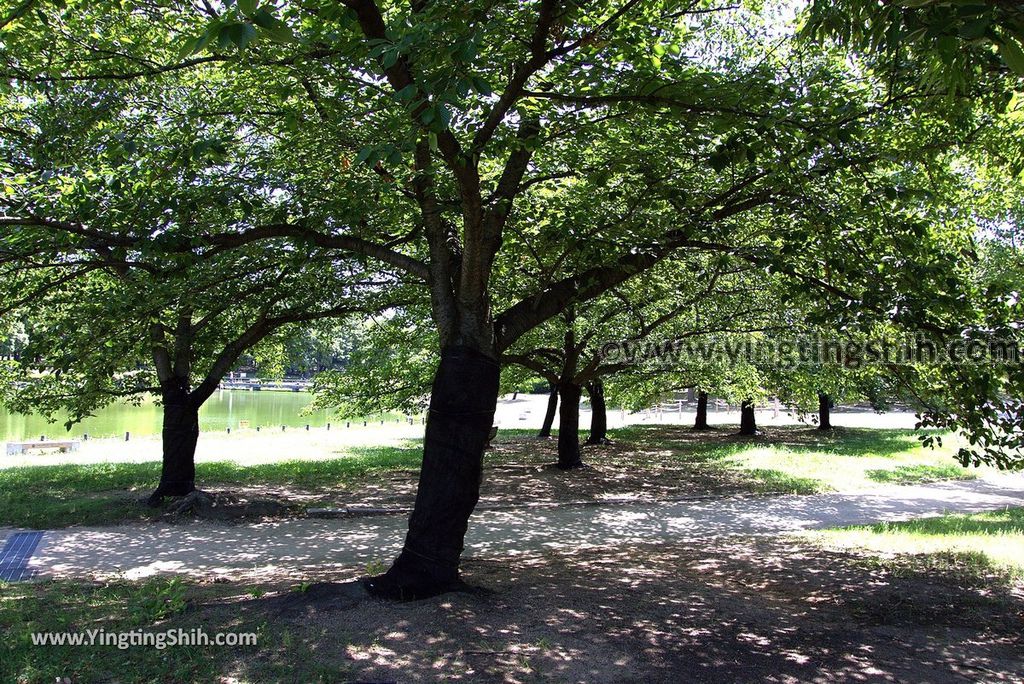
225 409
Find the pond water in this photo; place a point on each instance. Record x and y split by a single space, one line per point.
225 409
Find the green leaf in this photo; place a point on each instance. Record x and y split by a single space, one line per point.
264 19
240 34
364 154
190 47
406 93
481 86
973 30
719 160
247 7
444 115
280 33
1013 54
224 37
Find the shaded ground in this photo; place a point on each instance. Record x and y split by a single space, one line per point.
645 463
658 462
292 548
736 610
519 470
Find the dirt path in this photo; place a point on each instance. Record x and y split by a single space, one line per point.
294 547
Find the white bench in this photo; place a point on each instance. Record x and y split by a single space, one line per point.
15 448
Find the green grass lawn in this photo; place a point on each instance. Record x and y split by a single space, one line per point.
784 460
977 544
153 606
849 462
799 460
101 493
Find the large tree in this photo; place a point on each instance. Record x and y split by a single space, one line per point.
679 301
104 192
101 330
474 127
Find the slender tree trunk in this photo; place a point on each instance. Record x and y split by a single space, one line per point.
549 417
702 412
180 435
824 412
462 403
598 415
748 425
569 426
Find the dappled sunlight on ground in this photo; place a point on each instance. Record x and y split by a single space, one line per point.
645 463
292 546
738 610
658 462
984 543
518 471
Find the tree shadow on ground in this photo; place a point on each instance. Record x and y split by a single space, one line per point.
736 610
723 440
643 463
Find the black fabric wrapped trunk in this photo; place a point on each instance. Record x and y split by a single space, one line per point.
702 412
462 404
748 425
569 426
180 435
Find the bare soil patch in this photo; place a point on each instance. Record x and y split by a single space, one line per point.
518 472
736 610
656 462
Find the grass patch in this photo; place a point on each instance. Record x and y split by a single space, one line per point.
804 461
919 473
312 474
791 460
978 544
152 606
43 497
845 460
778 482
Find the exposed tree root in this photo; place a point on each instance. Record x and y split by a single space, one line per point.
227 506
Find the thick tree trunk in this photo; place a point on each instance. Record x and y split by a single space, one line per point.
569 426
748 425
598 415
824 412
180 435
549 416
462 403
702 412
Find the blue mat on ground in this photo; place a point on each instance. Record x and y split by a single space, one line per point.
15 554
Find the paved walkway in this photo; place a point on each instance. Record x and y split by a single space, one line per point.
292 547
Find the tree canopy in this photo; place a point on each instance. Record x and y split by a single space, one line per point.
511 161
